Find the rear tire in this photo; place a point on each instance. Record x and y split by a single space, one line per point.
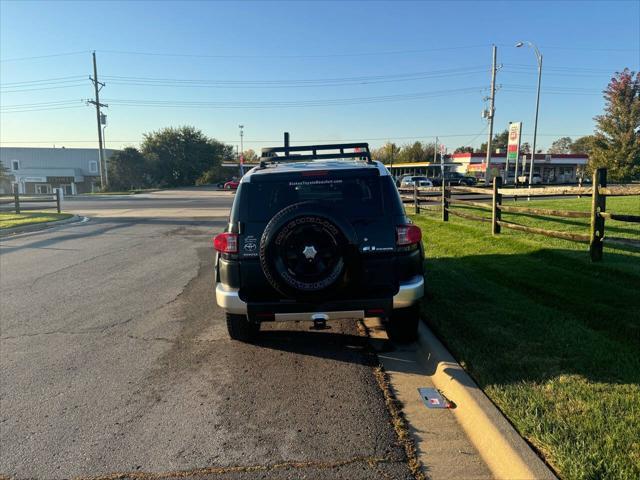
241 328
402 327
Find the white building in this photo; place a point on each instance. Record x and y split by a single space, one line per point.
40 170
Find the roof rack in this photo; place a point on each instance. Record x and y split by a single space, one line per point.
270 154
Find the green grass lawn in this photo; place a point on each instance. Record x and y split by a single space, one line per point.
10 220
553 339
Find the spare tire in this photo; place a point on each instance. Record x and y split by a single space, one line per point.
305 250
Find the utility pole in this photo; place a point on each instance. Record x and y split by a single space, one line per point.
241 157
435 158
97 87
492 109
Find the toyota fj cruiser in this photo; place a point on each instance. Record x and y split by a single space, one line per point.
319 233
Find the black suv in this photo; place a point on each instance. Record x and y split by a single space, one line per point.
319 233
454 178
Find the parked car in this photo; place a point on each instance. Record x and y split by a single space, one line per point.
231 185
454 178
409 180
319 240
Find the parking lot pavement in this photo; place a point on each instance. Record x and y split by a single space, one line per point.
115 360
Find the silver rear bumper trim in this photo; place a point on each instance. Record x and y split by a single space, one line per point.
309 316
229 299
410 292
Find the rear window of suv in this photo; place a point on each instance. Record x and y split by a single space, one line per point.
352 196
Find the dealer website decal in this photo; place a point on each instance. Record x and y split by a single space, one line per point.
250 246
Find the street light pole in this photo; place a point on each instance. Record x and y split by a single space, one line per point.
535 124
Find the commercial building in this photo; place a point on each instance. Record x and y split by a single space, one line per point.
40 170
552 168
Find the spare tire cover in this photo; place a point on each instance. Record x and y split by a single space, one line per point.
304 249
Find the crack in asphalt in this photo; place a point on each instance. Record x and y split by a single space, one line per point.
369 460
100 329
82 262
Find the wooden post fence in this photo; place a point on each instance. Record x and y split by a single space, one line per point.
598 205
16 202
496 214
445 202
58 199
416 204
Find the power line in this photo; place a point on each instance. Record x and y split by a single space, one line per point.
267 104
328 55
298 103
43 88
559 68
20 59
321 82
43 80
469 142
40 109
591 49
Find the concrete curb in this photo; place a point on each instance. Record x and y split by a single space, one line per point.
504 451
40 226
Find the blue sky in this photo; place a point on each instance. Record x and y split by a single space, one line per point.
440 51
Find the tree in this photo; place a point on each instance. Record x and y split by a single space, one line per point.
387 153
583 145
416 152
561 145
499 141
250 156
616 144
128 170
179 156
463 150
525 148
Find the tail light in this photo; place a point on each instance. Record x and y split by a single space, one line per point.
408 235
226 242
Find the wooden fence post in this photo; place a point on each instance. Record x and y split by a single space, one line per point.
16 202
445 202
416 204
598 204
58 199
496 213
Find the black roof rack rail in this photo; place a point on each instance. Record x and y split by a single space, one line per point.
317 152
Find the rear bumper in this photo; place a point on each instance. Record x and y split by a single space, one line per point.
409 293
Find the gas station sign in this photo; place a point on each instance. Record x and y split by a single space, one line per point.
513 147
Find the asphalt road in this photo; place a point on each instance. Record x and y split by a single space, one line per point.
115 359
